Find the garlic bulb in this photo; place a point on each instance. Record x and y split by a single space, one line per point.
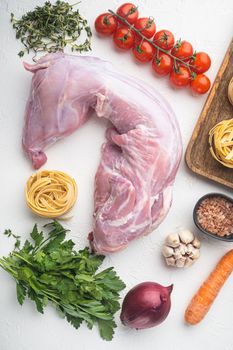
230 91
181 249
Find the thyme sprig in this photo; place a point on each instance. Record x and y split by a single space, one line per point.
50 28
177 61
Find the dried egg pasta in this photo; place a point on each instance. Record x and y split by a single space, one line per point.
50 193
221 142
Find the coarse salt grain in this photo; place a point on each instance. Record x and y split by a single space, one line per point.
215 215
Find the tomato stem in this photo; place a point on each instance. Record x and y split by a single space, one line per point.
106 21
167 52
131 11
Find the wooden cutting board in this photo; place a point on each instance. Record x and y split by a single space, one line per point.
216 108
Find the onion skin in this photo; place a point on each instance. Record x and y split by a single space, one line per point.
146 305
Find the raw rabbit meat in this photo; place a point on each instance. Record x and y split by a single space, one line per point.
133 183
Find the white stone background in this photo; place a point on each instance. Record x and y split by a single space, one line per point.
208 25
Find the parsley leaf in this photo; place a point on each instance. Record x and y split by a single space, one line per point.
38 300
21 293
106 329
75 321
9 233
37 236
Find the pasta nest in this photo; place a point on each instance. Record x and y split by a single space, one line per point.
50 193
221 142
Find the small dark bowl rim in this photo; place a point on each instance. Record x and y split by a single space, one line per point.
207 233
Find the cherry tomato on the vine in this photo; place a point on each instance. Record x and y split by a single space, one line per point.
200 84
128 11
124 38
200 62
182 50
164 39
163 64
146 26
143 51
105 24
180 77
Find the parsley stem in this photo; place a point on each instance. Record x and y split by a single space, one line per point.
7 267
40 245
21 258
51 296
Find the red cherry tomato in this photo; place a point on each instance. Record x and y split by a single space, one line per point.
200 62
200 84
164 39
183 50
144 51
146 26
129 12
162 65
105 24
124 38
180 78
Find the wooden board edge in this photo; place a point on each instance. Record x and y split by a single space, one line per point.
204 111
211 177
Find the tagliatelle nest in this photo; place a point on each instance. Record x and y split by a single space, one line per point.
221 142
50 193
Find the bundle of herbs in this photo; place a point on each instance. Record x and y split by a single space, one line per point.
50 28
50 270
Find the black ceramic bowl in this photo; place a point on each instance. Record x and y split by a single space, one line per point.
207 233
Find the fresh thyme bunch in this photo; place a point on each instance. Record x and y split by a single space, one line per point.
50 28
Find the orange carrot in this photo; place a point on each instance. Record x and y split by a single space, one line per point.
203 299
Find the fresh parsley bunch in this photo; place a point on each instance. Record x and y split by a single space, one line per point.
50 270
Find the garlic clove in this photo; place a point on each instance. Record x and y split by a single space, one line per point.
180 262
190 249
183 248
171 261
196 243
167 251
195 253
177 253
173 240
186 236
189 262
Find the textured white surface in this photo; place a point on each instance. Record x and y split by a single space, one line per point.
208 25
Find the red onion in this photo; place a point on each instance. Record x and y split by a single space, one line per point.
146 305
